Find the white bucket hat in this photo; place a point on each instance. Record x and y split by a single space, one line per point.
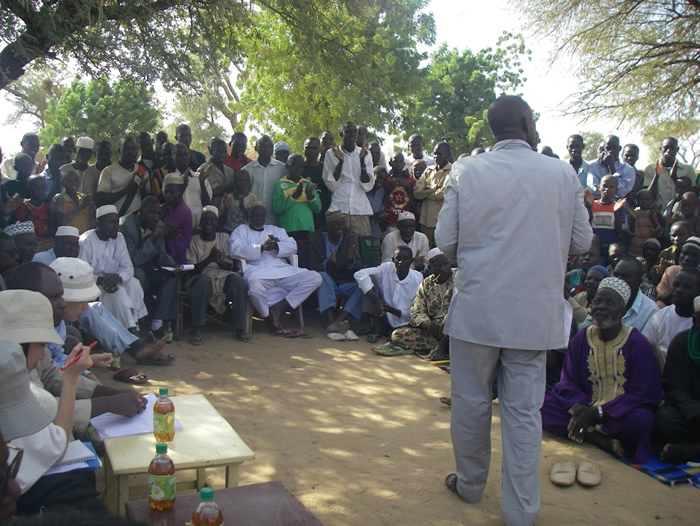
78 279
27 317
25 408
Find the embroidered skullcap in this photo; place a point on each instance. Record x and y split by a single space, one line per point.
405 216
23 227
619 286
696 303
601 269
68 231
652 241
173 179
254 203
212 209
434 252
85 142
693 241
106 210
333 214
281 146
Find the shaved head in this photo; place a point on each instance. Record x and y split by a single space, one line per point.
510 117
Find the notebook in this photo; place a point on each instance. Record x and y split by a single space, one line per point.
78 455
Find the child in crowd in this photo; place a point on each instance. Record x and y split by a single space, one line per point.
35 209
607 214
680 232
645 222
417 169
399 192
646 287
687 210
683 184
576 276
616 251
376 199
236 205
72 208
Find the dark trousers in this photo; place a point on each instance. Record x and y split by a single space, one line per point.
236 294
163 285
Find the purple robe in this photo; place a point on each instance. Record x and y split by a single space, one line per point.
179 218
622 376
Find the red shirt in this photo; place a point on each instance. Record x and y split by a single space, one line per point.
39 216
236 163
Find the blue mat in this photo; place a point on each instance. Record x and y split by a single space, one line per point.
668 473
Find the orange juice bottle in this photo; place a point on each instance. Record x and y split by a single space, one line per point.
164 417
208 513
161 479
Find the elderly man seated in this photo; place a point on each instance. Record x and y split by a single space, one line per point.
397 285
214 280
429 310
273 284
678 420
610 384
407 235
335 255
144 234
104 249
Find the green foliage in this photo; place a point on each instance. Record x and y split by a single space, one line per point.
686 131
201 117
292 85
639 58
31 93
452 102
101 110
591 141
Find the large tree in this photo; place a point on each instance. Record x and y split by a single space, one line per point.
452 102
31 93
101 110
637 59
301 84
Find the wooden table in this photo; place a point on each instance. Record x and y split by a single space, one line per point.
266 504
206 440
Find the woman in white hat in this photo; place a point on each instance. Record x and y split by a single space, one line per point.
30 417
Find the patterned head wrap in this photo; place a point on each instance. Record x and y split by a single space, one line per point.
23 227
619 286
333 214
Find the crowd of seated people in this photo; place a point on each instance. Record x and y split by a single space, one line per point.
99 249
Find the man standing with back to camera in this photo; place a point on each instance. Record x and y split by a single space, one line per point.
499 228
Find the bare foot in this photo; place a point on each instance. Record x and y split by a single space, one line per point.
341 326
607 443
680 453
144 351
440 352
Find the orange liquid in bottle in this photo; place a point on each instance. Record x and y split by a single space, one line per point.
208 513
164 417
161 480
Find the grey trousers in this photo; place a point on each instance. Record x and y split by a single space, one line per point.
521 383
236 293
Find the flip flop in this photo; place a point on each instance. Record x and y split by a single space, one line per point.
389 349
451 483
282 332
196 340
563 473
366 331
130 375
373 338
588 474
445 400
157 359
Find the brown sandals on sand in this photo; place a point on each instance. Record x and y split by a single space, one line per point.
587 474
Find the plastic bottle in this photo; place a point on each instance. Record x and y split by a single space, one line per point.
116 361
208 513
161 479
168 332
164 417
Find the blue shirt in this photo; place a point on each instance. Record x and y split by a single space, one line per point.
641 311
49 177
626 176
582 172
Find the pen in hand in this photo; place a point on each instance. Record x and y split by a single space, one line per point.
76 358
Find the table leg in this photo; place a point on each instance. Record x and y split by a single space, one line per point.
232 475
201 478
123 483
111 487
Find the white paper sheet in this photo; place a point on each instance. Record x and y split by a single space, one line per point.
109 425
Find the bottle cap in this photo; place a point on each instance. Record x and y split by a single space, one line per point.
206 493
163 391
161 448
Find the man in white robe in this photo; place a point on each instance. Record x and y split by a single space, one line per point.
273 284
104 248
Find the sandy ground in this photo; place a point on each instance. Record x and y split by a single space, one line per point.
362 439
